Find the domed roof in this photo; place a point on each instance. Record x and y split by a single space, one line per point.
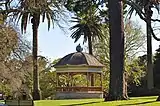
79 58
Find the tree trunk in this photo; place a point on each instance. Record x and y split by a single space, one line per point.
90 45
148 11
36 89
117 80
91 53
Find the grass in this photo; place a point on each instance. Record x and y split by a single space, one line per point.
135 101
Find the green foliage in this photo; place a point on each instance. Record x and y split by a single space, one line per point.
31 10
78 6
106 77
79 80
134 72
14 48
55 61
134 43
47 84
5 89
47 78
156 68
87 25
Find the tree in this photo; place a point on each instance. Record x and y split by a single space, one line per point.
87 21
48 84
134 44
14 48
117 81
87 26
156 68
13 44
31 10
146 5
118 42
46 77
136 76
9 41
134 41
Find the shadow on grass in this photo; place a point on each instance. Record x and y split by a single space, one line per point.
152 97
82 103
137 103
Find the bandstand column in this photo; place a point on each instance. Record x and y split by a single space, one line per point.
94 74
101 75
57 77
92 79
71 76
87 77
68 79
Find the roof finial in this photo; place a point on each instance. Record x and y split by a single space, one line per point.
79 48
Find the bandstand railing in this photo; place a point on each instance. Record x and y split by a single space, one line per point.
78 89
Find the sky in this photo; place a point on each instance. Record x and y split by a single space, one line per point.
54 43
57 43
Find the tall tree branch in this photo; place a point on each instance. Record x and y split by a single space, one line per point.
142 16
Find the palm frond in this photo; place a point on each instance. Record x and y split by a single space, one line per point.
43 16
138 9
73 35
48 19
24 21
140 5
76 26
76 35
48 9
87 25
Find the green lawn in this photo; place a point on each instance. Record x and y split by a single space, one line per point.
135 101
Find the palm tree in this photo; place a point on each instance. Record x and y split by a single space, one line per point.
89 26
32 10
146 5
45 9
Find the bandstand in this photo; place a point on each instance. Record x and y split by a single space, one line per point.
79 75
